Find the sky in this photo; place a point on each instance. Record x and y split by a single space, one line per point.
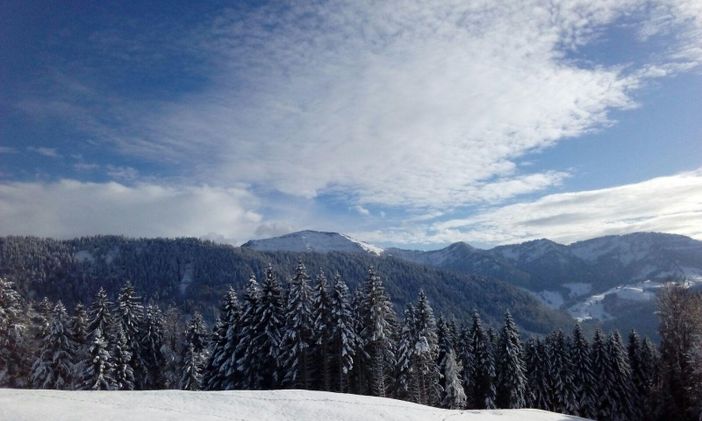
402 123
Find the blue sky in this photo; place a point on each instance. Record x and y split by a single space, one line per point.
409 123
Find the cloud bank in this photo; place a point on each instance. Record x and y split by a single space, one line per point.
670 204
70 208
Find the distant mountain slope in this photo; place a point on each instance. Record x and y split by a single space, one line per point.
611 279
194 274
313 241
269 405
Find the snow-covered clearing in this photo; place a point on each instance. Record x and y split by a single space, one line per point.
279 405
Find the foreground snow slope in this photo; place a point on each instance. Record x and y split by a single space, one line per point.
279 405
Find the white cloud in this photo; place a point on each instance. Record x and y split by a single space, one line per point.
426 104
44 151
361 210
665 204
69 208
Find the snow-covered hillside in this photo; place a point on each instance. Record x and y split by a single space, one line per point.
313 241
279 405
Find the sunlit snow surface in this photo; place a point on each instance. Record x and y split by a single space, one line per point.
593 306
280 405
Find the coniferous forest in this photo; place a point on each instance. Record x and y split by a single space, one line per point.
316 334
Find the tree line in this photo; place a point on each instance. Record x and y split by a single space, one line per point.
318 335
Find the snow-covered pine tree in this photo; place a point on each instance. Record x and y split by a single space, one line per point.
98 371
582 374
537 375
445 344
622 386
404 377
321 316
195 353
122 357
191 378
643 362
41 319
79 336
196 333
13 331
295 357
101 316
602 372
245 360
648 360
359 381
269 325
379 320
482 376
426 351
343 338
173 328
54 368
454 395
129 316
152 358
218 373
467 361
560 373
510 369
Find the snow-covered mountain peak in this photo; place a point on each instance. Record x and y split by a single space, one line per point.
313 241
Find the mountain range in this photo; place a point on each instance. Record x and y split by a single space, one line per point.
194 274
610 280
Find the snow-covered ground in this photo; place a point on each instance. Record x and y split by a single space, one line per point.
279 405
593 307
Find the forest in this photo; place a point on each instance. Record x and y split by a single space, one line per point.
316 334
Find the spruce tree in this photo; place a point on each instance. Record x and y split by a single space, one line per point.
321 316
101 316
218 374
510 370
602 372
445 342
405 387
80 337
13 336
191 378
378 320
152 358
173 328
54 369
122 357
295 356
454 395
582 373
560 373
245 359
467 360
98 371
262 334
622 386
425 354
343 338
129 317
482 376
195 353
537 375
270 323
